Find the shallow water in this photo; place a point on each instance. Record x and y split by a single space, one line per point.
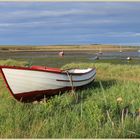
88 54
45 54
53 59
117 55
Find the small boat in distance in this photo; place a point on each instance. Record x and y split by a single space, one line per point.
120 49
34 83
61 53
96 57
100 51
129 58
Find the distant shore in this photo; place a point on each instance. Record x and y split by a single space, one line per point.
94 48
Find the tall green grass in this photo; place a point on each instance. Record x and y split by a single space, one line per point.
111 71
11 62
92 112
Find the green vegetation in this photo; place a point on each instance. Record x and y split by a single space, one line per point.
10 62
51 61
93 47
111 71
56 61
107 108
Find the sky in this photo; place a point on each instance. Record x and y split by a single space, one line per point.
61 23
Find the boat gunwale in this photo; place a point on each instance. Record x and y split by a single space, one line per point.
65 72
60 80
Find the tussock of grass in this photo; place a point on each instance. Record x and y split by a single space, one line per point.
97 111
111 71
10 62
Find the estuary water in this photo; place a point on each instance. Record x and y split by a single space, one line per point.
117 55
69 54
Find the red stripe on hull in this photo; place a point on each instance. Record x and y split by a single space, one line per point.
7 85
38 95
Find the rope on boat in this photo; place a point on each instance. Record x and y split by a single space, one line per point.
72 88
70 79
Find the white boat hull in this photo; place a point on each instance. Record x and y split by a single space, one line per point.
31 83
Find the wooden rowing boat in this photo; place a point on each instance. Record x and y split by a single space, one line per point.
33 83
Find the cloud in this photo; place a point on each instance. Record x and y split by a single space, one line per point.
25 10
118 34
85 21
40 13
89 13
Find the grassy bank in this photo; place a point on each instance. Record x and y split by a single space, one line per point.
90 47
10 62
107 108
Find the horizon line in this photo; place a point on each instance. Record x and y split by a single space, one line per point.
69 1
35 45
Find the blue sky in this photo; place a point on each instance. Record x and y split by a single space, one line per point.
59 23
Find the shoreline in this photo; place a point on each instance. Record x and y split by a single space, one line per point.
80 48
72 50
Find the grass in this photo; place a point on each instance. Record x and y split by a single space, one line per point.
90 47
11 62
111 71
107 108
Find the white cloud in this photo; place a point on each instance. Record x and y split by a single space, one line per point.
100 13
81 20
18 14
97 9
119 34
137 34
